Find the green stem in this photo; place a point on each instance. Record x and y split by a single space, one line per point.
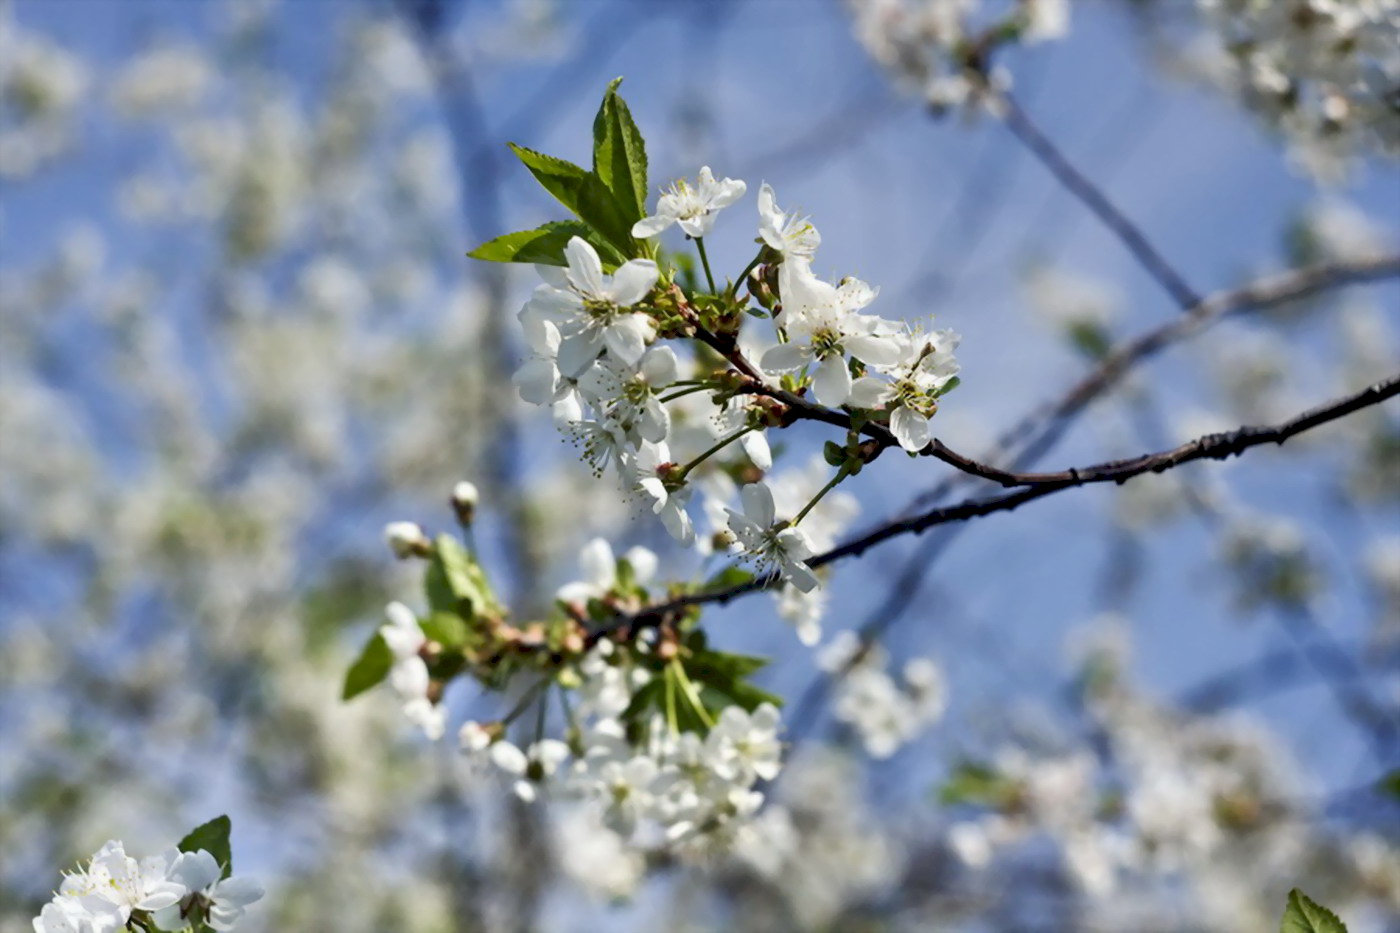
525 700
703 387
705 261
723 443
840 475
693 695
671 720
753 264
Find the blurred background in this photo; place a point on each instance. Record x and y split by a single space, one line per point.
238 334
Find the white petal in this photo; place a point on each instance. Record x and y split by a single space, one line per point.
784 358
656 421
869 392
755 444
831 383
552 275
801 576
599 565
627 337
651 226
577 353
910 428
536 380
697 227
633 280
677 522
644 562
585 268
659 366
727 192
509 758
758 504
409 677
878 351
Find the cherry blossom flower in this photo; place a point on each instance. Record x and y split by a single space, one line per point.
770 543
823 325
589 307
792 235
694 209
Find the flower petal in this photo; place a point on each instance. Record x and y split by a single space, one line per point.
831 383
585 268
633 280
758 504
910 428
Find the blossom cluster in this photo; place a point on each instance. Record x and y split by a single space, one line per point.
173 891
617 389
1326 74
684 790
941 49
884 713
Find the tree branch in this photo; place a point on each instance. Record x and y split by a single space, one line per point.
1210 447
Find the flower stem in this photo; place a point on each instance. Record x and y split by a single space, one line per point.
753 264
703 387
723 443
840 475
705 261
692 695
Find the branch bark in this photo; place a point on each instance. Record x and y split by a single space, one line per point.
1210 447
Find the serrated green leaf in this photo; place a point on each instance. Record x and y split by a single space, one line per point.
620 155
559 177
371 667
543 245
1303 915
949 386
599 208
212 837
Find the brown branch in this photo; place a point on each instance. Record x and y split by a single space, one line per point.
1290 286
1047 423
1210 447
1077 184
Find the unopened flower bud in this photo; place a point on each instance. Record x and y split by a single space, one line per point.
406 539
464 499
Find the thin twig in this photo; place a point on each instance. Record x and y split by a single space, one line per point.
1087 192
1210 447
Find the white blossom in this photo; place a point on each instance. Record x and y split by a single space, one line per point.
693 208
589 307
770 543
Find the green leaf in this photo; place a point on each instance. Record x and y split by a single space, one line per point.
455 583
620 154
599 208
949 386
651 694
973 783
1305 916
727 578
543 244
1390 784
371 667
559 177
212 837
446 628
